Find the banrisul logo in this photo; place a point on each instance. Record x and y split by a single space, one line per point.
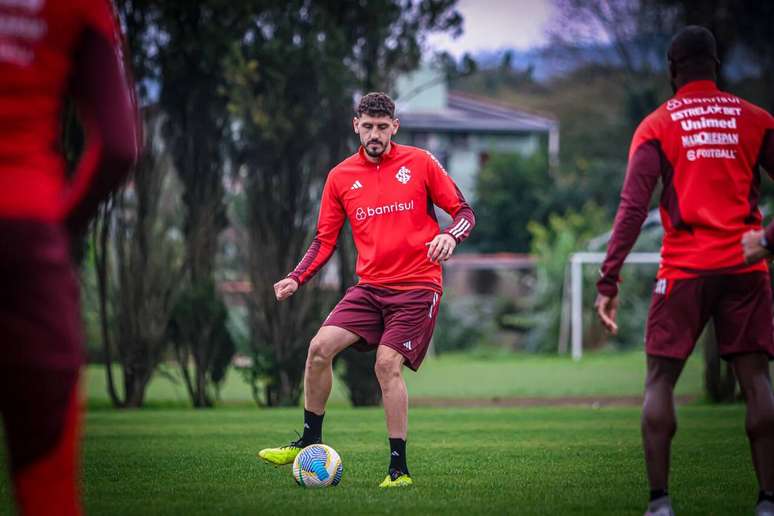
396 207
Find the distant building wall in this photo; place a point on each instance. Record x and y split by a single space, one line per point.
464 154
463 131
422 90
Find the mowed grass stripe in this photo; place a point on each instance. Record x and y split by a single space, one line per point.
464 461
458 376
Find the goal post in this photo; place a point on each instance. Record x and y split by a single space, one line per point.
575 280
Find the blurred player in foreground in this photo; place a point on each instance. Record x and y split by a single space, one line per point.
51 50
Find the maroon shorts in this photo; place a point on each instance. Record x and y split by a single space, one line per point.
400 319
739 304
40 323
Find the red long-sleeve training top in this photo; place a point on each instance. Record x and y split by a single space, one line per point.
49 50
707 147
390 209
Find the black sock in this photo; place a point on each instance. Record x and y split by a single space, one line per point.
765 496
655 494
312 427
398 455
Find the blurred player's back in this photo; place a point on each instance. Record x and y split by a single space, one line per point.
49 50
38 44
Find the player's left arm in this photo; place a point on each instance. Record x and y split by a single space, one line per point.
642 174
446 195
104 94
759 244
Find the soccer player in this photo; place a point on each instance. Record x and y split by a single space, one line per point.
706 146
49 50
387 191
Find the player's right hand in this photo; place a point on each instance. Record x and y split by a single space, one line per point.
607 308
753 247
285 288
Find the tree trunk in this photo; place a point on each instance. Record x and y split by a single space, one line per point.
359 376
360 379
285 393
101 230
202 399
182 361
135 384
719 379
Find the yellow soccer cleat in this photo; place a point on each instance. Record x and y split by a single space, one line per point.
397 478
282 455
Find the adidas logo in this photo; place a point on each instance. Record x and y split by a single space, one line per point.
407 345
306 425
356 185
395 454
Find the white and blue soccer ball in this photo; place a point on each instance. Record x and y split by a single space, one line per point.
317 465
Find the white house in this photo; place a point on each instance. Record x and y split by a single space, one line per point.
462 131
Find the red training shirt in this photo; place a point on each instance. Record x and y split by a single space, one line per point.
390 209
48 50
706 146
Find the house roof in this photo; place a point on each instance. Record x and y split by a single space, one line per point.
467 113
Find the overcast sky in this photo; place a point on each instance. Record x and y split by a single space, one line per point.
496 24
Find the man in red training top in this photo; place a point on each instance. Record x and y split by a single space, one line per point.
49 50
706 146
387 192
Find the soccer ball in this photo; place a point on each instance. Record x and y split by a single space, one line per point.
317 465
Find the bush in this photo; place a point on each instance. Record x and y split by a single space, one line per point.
552 245
459 325
499 218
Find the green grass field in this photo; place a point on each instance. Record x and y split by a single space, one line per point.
170 459
464 461
466 377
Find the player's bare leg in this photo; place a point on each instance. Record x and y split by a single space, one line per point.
389 372
659 424
318 375
752 371
318 378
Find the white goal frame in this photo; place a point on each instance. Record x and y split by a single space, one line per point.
574 280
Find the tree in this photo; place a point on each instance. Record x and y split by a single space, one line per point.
138 264
211 359
501 219
180 47
552 244
637 32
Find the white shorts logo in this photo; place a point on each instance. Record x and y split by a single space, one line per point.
407 345
661 287
403 175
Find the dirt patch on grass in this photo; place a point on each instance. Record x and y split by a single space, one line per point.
587 401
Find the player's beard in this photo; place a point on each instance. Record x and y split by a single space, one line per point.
378 150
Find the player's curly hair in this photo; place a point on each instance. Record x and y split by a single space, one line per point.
376 104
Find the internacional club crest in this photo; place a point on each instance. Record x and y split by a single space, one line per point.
403 175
